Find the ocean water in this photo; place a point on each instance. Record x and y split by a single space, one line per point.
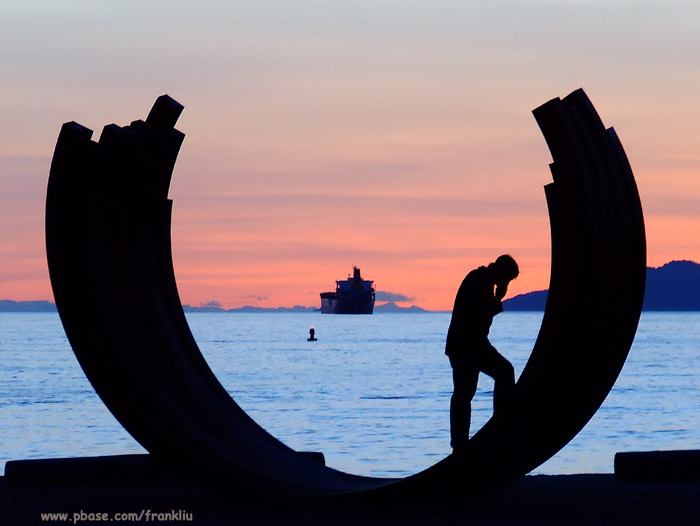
372 393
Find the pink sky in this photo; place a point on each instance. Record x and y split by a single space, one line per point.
391 135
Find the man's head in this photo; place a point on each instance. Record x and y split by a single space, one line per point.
504 269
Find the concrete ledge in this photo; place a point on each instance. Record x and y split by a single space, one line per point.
88 470
134 468
658 465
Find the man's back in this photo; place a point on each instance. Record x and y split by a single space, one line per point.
474 309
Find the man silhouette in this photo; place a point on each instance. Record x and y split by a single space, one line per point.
468 348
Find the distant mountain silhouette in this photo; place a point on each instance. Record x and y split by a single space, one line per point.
47 306
202 308
27 306
527 302
393 307
249 308
674 286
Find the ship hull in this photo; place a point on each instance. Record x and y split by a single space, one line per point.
334 305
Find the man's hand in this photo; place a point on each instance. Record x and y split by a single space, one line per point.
501 290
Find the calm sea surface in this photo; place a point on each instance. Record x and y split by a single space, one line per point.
372 393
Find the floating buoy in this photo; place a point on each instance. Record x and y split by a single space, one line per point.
312 335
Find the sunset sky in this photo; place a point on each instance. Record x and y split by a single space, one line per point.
392 135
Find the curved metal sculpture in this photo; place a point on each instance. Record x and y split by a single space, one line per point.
110 262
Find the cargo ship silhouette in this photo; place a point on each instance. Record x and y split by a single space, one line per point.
352 296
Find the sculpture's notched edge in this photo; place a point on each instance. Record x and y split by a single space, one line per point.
108 248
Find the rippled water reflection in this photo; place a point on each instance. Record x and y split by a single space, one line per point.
372 393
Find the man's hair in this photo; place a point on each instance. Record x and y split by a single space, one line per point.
507 265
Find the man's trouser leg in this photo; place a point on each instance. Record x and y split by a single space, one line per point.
465 378
492 363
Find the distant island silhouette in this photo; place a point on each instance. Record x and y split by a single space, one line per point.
249 308
393 307
47 306
674 286
27 306
386 307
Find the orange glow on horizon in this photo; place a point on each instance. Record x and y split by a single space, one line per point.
398 139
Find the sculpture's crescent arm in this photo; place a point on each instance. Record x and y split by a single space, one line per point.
593 307
110 263
108 247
